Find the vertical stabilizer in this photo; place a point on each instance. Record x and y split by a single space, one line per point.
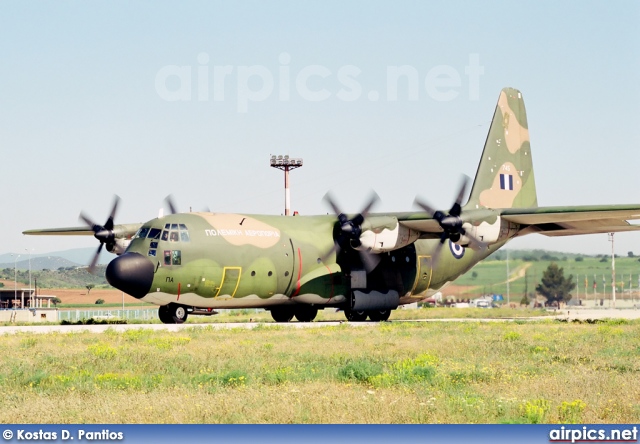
505 174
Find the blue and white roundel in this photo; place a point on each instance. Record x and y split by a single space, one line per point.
456 250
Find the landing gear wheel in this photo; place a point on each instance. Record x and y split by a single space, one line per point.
282 314
172 314
355 316
179 314
379 315
306 313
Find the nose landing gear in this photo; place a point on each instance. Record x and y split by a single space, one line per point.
172 314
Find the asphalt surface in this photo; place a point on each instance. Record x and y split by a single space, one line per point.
570 314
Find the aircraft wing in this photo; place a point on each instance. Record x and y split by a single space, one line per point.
121 231
68 231
550 221
568 221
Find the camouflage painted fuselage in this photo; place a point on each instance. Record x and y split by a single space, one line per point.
234 260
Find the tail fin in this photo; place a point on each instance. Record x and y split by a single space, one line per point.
505 175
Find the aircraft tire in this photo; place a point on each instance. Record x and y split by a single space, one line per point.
282 314
379 315
305 313
165 315
355 316
179 313
172 314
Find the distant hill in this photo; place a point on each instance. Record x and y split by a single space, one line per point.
41 263
62 277
67 258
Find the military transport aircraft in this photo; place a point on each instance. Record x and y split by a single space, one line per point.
367 264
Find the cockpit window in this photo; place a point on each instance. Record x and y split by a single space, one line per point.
172 233
142 233
154 233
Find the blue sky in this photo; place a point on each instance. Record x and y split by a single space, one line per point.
81 116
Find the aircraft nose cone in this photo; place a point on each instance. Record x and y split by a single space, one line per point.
131 273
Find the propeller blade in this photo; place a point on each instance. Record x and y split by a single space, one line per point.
329 199
94 261
347 232
369 260
170 203
335 249
436 254
109 224
374 199
91 224
474 240
425 206
456 209
103 233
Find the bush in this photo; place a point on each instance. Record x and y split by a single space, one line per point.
359 370
99 301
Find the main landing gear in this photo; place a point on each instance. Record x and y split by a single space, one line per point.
362 315
172 314
303 313
307 313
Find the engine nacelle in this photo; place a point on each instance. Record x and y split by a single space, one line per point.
384 233
119 246
485 232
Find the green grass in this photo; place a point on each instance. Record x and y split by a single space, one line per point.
492 274
545 371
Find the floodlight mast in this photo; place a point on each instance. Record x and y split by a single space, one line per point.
286 164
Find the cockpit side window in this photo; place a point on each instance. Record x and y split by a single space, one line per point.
165 235
184 233
154 233
142 233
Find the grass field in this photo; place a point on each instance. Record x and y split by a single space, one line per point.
248 315
491 276
518 372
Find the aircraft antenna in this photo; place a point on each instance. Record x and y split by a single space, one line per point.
286 164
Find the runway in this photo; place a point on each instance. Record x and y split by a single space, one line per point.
571 314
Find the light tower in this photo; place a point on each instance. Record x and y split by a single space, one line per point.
613 270
286 164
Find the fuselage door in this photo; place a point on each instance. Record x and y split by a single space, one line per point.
230 280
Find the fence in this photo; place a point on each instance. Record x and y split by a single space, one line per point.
148 314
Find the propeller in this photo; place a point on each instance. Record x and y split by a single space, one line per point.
169 201
104 233
451 223
350 230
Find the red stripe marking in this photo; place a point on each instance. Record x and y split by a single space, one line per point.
297 292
